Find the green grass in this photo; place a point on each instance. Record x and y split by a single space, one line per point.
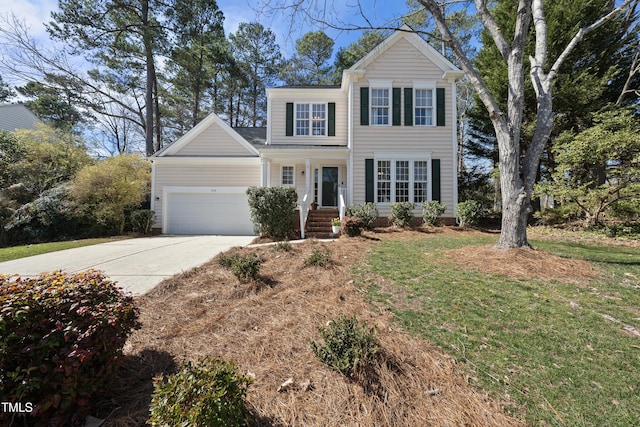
524 341
16 252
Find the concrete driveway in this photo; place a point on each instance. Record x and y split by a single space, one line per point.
136 264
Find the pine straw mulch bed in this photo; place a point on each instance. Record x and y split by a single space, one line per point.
265 327
522 263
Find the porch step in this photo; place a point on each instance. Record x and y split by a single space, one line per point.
319 223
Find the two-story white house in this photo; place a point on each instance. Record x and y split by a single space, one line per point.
386 134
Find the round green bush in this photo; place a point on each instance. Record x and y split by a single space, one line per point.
209 393
60 338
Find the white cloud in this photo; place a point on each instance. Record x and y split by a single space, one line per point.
33 12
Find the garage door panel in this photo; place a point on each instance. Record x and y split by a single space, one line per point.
205 213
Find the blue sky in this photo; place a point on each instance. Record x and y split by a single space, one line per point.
36 12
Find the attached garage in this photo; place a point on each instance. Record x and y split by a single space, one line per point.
199 182
223 211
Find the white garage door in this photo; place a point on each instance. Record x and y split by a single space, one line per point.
205 213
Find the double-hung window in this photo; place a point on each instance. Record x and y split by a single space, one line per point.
311 119
288 175
380 101
402 180
423 107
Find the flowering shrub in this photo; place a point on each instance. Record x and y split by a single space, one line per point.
60 338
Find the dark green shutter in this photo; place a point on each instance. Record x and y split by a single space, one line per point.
396 103
368 174
289 130
408 106
440 120
364 106
435 179
331 131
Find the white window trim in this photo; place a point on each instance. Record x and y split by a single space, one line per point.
425 85
393 157
310 121
282 175
380 84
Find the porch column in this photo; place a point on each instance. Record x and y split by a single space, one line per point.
264 177
307 174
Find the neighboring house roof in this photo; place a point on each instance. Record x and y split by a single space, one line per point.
190 136
17 116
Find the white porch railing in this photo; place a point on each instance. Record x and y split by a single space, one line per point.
304 212
342 201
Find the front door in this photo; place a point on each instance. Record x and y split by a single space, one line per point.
330 186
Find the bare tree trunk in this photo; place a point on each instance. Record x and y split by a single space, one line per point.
150 79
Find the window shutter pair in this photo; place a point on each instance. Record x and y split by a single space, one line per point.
369 174
331 119
397 105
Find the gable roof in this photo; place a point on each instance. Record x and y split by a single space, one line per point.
211 120
405 32
17 116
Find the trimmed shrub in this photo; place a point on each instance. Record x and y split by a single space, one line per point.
469 213
318 258
273 210
60 338
244 267
402 213
352 226
142 220
368 213
209 393
349 347
431 211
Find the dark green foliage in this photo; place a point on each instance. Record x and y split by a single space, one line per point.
51 216
318 258
431 211
142 220
469 213
368 213
208 393
402 213
273 210
244 267
352 226
350 347
60 338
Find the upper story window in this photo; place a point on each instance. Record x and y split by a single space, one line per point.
311 119
380 106
423 107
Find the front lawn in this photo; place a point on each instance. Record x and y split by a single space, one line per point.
562 344
16 252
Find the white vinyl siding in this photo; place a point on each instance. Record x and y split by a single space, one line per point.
278 99
409 69
214 141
